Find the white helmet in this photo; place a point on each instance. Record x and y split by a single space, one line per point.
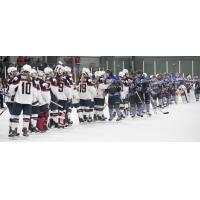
59 69
67 69
97 74
40 74
121 74
102 73
85 71
33 73
151 76
26 68
189 77
60 63
48 70
145 75
11 70
125 71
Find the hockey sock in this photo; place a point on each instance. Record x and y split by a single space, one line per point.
86 112
133 110
147 107
34 118
10 122
15 122
160 103
118 112
111 112
54 115
26 120
91 113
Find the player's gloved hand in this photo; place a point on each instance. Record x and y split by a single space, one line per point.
15 78
54 81
46 85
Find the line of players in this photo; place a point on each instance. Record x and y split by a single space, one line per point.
46 98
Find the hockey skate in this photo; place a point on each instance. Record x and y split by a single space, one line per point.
95 117
119 118
34 130
81 120
139 115
13 134
102 118
149 114
69 122
89 119
25 132
51 123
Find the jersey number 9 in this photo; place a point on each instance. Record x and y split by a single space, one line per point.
60 89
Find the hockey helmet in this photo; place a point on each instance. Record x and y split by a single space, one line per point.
85 71
67 69
41 74
97 74
11 70
60 63
121 74
26 68
59 70
48 71
145 75
33 73
125 72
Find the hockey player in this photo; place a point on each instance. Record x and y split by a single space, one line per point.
189 83
156 91
126 82
166 97
62 100
197 88
22 88
99 99
44 102
183 92
145 81
123 93
76 100
51 80
114 98
69 82
87 91
63 94
12 73
135 95
35 102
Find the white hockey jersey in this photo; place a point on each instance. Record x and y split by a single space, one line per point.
45 95
22 88
100 90
86 90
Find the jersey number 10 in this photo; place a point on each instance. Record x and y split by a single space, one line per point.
26 88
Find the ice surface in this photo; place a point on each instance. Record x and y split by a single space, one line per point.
181 124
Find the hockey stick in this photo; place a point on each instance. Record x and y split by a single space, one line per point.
3 111
140 99
186 97
56 104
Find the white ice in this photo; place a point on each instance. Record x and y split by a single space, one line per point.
181 124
